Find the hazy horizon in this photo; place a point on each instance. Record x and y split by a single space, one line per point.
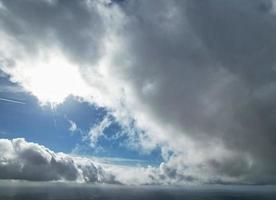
58 190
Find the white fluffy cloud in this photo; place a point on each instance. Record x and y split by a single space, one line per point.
196 78
20 159
24 160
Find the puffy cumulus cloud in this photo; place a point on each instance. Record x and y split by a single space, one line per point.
196 78
24 160
161 175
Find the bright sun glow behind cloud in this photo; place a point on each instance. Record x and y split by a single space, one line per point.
51 78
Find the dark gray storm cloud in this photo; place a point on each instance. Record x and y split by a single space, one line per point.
212 64
74 26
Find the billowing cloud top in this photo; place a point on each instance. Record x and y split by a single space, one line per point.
196 78
29 161
22 160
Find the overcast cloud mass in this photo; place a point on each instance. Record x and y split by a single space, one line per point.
195 78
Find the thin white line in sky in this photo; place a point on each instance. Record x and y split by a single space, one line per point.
12 101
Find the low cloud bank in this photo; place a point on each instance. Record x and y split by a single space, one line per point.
24 160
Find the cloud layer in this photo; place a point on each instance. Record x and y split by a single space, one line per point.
196 78
24 160
30 161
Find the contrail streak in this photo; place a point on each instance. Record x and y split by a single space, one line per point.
12 101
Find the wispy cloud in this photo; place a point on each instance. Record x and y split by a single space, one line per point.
12 101
73 126
125 161
98 130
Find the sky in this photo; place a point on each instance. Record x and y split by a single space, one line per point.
138 91
66 127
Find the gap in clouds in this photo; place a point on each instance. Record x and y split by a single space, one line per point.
50 127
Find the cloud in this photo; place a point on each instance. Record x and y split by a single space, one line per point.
30 161
67 23
98 130
12 101
24 160
211 75
73 126
195 78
